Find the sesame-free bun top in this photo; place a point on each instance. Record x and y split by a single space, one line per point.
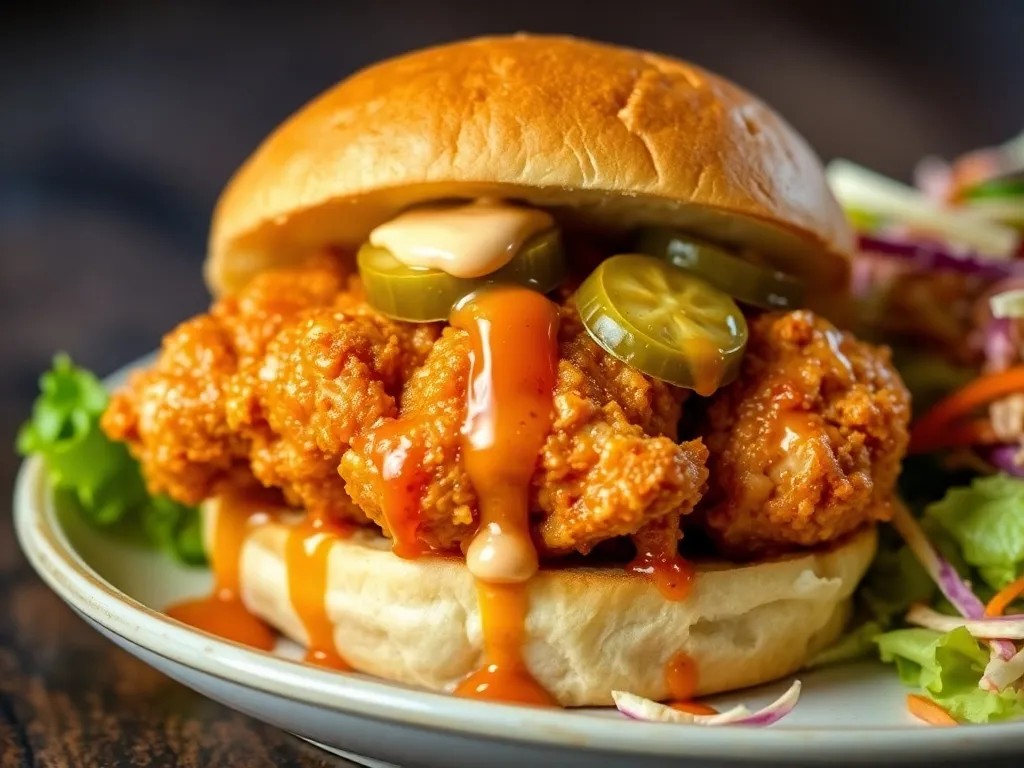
604 137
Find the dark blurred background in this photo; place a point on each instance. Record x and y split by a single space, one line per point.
121 121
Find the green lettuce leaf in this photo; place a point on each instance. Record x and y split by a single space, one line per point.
99 474
948 667
986 520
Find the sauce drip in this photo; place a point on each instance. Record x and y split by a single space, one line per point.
514 357
504 676
399 463
467 240
671 574
307 553
222 613
681 677
658 558
707 365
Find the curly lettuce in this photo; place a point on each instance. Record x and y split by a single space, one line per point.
99 474
979 529
948 667
986 520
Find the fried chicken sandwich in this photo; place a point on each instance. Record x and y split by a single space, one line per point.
519 383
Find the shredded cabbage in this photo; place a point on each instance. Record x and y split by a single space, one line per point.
871 193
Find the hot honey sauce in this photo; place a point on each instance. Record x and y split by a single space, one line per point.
671 574
681 677
307 563
399 462
681 682
658 558
222 612
514 346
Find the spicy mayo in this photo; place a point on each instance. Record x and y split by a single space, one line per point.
222 613
514 358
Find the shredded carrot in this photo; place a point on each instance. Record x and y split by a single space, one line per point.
928 711
693 707
970 433
929 428
998 604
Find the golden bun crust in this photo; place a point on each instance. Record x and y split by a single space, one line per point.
602 136
589 630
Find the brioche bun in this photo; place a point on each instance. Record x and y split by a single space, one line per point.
589 630
602 136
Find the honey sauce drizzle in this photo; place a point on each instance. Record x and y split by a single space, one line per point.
399 463
658 558
681 682
307 563
514 340
221 612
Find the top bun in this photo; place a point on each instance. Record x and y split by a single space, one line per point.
602 136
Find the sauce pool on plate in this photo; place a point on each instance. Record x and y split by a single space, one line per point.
221 612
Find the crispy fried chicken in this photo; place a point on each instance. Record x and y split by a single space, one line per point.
806 444
610 465
275 386
296 384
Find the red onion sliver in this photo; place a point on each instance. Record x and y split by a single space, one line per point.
1004 457
639 708
956 590
929 256
997 344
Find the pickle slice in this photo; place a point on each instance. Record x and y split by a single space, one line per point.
745 281
419 295
664 322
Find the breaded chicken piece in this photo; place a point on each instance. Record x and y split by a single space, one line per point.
272 299
609 466
427 433
172 416
268 387
806 444
324 378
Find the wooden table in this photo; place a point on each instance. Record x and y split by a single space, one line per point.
69 697
119 124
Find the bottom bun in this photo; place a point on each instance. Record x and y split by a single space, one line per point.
589 631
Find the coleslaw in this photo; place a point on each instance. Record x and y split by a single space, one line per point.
940 276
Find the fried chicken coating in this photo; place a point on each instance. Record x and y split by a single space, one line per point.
297 384
172 416
267 388
428 433
609 466
272 299
323 380
806 444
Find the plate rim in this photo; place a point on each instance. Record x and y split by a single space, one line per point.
51 554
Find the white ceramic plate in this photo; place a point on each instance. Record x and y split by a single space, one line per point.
847 714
